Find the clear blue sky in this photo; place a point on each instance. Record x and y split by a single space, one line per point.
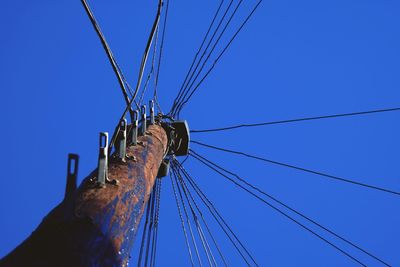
293 59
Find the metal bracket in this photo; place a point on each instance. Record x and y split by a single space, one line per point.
143 120
122 140
164 168
102 168
135 125
72 174
179 138
70 189
152 119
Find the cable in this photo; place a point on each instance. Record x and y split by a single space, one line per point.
156 220
151 226
117 70
204 242
155 96
299 168
144 230
217 216
219 56
202 217
147 49
291 209
151 69
282 213
187 220
116 130
182 222
295 120
125 81
187 87
177 98
142 67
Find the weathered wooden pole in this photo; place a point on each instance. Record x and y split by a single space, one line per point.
96 226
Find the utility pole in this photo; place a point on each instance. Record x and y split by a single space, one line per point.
95 224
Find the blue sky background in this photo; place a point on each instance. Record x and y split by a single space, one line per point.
294 59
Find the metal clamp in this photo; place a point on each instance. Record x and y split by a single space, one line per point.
70 189
143 120
135 125
164 168
122 140
102 168
152 119
72 174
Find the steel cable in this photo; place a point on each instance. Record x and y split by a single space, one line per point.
155 95
147 49
291 209
202 217
115 66
156 220
299 168
182 221
295 120
187 220
151 227
188 87
218 217
151 72
144 234
181 90
283 213
218 58
209 255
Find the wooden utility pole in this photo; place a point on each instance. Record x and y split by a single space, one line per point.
96 226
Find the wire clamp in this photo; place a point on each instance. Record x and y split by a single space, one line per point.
152 118
70 189
72 174
135 124
143 120
102 167
122 140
